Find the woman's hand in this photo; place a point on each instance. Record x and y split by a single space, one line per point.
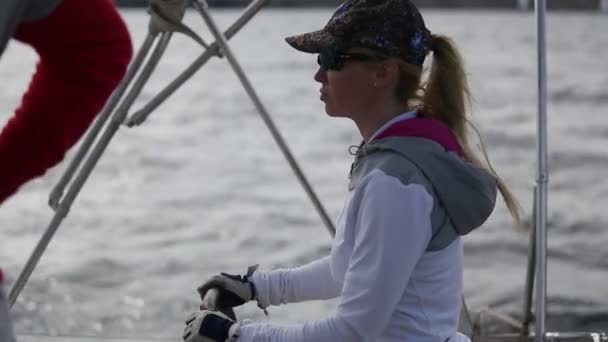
208 326
234 290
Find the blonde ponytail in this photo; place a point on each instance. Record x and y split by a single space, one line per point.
446 97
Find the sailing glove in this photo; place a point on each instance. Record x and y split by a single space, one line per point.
210 326
234 290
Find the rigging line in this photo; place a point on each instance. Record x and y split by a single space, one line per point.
201 6
64 207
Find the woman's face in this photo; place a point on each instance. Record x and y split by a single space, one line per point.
347 92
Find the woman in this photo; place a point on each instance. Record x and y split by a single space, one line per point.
415 188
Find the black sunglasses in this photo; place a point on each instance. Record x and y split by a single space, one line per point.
332 60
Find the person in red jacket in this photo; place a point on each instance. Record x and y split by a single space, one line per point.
84 49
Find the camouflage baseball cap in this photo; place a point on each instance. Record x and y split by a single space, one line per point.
391 27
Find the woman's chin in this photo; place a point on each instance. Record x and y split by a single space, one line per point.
335 114
331 111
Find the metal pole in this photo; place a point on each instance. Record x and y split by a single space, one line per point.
57 192
165 17
140 115
542 174
530 274
63 205
201 6
63 208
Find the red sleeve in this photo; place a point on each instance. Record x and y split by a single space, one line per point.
84 49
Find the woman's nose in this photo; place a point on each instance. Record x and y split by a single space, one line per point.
321 75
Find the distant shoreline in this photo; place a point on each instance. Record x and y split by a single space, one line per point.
592 5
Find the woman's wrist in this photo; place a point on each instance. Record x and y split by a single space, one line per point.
233 332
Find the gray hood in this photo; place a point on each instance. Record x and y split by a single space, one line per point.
466 192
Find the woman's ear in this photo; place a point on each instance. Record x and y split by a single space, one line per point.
387 73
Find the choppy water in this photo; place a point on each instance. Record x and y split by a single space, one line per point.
202 188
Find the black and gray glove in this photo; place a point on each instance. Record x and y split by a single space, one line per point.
209 326
234 290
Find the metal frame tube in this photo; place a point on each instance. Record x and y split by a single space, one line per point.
64 206
142 114
57 192
530 275
201 6
61 204
542 174
165 18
